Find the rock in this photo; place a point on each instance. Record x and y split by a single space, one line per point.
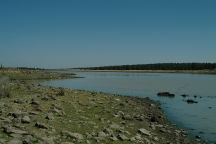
50 116
2 141
40 125
115 126
102 134
156 139
153 119
45 98
136 138
152 105
15 141
127 117
57 111
163 130
190 101
11 130
153 127
165 94
19 101
184 95
88 136
147 141
52 97
144 132
18 136
17 114
122 137
5 120
75 136
34 102
29 139
33 113
139 117
122 104
26 119
48 140
113 138
120 113
108 131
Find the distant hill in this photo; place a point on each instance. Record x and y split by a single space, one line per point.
158 66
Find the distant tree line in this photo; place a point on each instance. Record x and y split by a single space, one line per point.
19 68
28 68
159 66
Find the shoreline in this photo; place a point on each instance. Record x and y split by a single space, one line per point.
157 71
82 116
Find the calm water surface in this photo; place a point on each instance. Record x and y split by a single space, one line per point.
198 119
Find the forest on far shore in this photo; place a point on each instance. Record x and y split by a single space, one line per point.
158 66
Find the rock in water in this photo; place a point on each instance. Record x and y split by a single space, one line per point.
166 94
190 101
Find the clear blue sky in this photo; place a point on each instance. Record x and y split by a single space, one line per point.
73 33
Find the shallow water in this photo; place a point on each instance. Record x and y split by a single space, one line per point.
198 118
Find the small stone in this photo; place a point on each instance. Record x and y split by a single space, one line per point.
11 130
163 130
34 102
15 141
108 131
113 138
122 137
29 139
19 101
26 119
76 136
136 138
102 134
156 139
127 117
16 114
33 113
144 132
115 126
50 116
40 125
153 127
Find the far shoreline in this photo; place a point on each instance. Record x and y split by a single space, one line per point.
208 72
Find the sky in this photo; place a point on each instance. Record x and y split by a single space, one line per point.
79 33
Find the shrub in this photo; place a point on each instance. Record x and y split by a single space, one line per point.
61 92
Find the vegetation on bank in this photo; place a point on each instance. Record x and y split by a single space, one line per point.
158 66
20 74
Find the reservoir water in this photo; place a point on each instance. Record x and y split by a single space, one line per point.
198 118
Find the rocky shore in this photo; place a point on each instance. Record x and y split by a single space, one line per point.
31 113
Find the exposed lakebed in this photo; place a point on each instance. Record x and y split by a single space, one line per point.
198 118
